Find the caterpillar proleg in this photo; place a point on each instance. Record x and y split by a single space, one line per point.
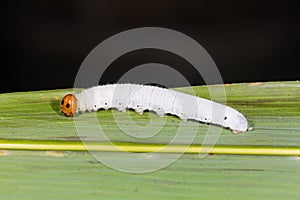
159 100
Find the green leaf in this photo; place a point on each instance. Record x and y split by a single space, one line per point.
273 110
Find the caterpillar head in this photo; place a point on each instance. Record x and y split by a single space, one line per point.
68 105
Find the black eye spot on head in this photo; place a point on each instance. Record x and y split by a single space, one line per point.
95 106
68 105
225 118
62 102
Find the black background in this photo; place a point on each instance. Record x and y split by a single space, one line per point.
44 42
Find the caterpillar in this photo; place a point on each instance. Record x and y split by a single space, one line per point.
157 99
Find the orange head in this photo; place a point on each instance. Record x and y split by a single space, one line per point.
68 105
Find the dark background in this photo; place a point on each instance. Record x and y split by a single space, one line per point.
45 41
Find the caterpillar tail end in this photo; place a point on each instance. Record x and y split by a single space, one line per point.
239 131
68 105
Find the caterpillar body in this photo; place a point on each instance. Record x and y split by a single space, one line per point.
159 100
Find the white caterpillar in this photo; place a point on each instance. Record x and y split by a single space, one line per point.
160 100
